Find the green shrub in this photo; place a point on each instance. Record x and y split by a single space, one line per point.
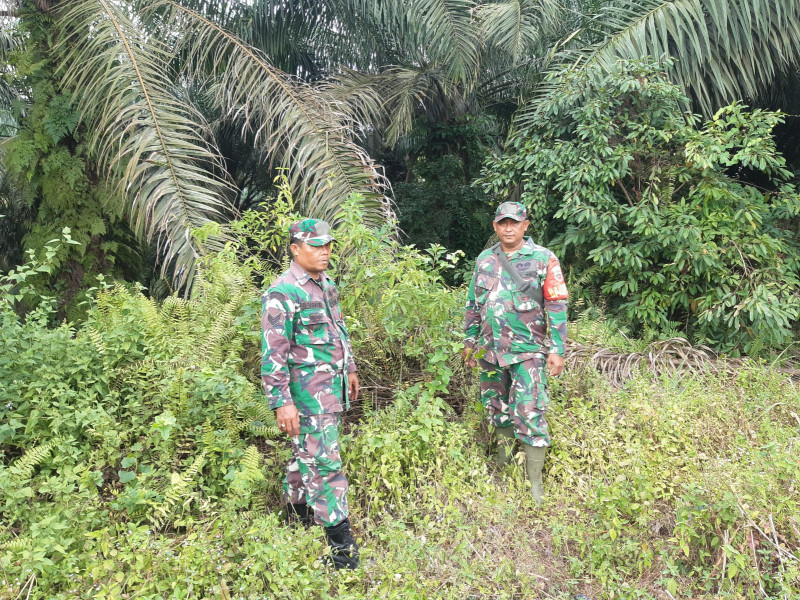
650 207
138 458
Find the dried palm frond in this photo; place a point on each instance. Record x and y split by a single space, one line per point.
673 357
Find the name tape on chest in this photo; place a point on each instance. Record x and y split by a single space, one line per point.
312 304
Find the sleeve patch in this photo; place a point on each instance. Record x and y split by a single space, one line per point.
554 286
275 317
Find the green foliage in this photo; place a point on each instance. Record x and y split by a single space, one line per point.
620 178
141 416
442 207
147 417
690 482
405 323
396 293
395 455
47 160
138 458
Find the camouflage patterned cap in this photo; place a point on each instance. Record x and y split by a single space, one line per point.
311 231
511 210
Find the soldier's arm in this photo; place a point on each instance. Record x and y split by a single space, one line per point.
276 334
351 363
555 304
472 322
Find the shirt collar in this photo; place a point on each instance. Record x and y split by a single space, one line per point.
302 275
527 247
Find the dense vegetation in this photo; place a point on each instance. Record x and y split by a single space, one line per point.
139 460
652 212
137 123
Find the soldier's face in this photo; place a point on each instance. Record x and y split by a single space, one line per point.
313 259
511 232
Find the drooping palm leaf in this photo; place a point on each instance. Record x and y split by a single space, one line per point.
421 33
516 26
149 140
300 128
10 41
451 35
727 49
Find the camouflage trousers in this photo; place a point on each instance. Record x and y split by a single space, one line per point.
314 474
516 396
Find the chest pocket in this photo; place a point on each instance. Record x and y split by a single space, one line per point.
313 327
525 302
484 283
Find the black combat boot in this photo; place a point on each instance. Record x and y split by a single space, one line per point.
299 513
344 551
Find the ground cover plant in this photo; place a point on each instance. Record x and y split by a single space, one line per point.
138 461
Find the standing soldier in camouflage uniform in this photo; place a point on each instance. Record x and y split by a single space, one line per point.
516 333
309 377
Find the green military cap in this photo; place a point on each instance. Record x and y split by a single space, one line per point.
311 231
511 210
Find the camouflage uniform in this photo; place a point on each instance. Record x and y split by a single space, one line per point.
305 361
511 329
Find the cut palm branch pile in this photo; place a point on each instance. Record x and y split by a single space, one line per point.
673 357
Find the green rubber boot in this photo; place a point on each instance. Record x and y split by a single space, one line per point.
505 444
534 461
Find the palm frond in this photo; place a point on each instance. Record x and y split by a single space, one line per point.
727 49
451 36
300 128
516 26
10 41
442 34
155 145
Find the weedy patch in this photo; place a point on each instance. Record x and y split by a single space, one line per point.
138 460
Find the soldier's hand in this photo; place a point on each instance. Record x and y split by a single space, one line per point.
352 382
466 354
288 419
555 365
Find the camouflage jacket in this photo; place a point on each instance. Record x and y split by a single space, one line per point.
306 350
508 325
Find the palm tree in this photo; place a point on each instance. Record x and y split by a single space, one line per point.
726 49
131 67
192 104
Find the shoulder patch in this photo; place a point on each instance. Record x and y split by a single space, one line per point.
275 294
554 286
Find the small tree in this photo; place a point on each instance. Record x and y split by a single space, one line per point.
627 185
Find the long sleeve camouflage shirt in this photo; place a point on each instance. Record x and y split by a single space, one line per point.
306 351
511 327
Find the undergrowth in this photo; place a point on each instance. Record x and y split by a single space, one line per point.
137 460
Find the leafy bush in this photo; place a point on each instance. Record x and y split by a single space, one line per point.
651 208
140 416
147 417
685 483
404 321
138 460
